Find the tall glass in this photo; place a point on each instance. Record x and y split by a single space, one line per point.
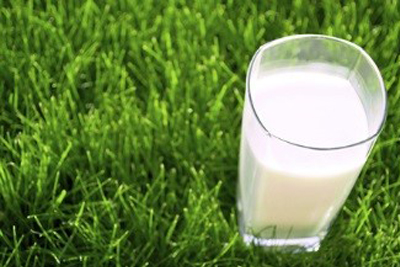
290 190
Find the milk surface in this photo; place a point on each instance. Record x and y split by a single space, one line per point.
288 191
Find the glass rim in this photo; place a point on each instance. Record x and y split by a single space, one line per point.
330 38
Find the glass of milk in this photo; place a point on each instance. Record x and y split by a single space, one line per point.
314 107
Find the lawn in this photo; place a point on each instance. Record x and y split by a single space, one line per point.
120 129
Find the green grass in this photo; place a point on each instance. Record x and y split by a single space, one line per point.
119 131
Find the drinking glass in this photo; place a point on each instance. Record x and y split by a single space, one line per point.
289 198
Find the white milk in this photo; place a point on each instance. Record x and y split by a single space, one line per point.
291 192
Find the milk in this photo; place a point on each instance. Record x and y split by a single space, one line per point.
289 191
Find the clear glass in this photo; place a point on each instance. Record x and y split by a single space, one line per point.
289 207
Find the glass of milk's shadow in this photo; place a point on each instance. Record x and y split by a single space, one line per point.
314 107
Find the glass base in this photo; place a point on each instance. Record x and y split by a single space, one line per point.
294 245
289 245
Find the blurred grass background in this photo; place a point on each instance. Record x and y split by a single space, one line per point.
119 131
